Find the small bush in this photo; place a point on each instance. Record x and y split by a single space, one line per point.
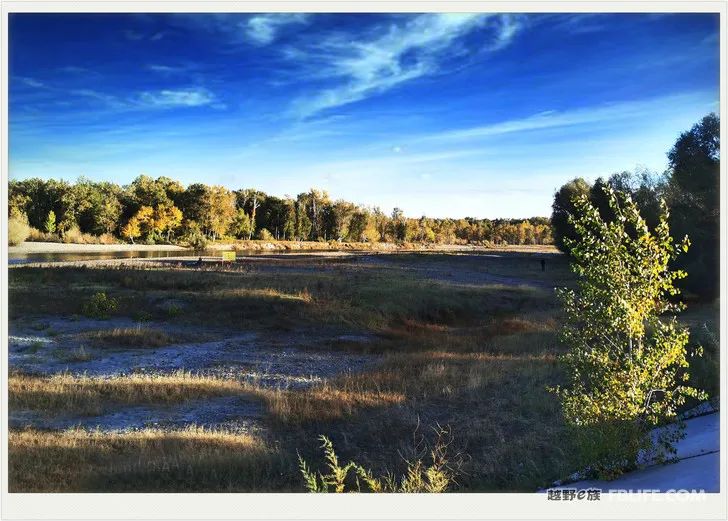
100 305
74 236
197 241
174 310
18 231
106 238
39 236
265 235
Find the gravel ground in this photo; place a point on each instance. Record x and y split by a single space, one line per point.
48 345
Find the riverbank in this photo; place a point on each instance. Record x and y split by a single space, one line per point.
59 247
372 246
272 246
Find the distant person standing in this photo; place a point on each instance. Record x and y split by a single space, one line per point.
543 264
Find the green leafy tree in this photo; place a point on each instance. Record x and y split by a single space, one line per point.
627 365
211 207
358 225
240 227
302 225
562 207
150 192
694 194
50 224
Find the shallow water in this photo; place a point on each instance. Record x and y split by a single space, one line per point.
25 258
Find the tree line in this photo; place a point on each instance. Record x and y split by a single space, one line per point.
162 210
691 188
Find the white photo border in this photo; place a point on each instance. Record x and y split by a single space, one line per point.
350 506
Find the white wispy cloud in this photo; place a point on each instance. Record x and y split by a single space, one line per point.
73 69
133 35
393 54
605 113
167 69
136 36
108 100
168 98
31 82
263 29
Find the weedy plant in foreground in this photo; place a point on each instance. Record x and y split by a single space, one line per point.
627 364
353 477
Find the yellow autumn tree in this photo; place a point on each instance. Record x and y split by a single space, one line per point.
167 218
141 224
131 230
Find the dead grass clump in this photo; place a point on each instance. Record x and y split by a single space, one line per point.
75 236
513 325
132 337
79 354
91 396
193 459
37 235
325 403
417 326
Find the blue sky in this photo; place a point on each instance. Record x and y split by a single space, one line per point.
480 115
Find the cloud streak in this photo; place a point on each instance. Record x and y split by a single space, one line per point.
31 82
263 29
392 55
613 112
167 98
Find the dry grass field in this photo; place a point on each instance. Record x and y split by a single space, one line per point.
373 351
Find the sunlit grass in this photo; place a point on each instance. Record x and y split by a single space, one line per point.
193 459
132 337
92 395
478 359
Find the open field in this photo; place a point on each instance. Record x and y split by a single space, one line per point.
213 378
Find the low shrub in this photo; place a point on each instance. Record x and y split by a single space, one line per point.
37 235
197 241
18 231
174 310
74 236
100 305
265 235
106 238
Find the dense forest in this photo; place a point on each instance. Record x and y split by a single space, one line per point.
691 189
162 211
